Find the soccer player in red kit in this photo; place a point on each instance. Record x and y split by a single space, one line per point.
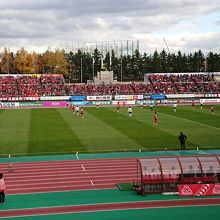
118 107
193 105
82 112
155 119
73 109
212 108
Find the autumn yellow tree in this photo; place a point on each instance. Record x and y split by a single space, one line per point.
55 62
7 61
35 63
61 64
22 61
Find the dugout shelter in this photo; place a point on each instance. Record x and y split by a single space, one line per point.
163 174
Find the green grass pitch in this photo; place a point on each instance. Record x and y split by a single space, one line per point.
39 131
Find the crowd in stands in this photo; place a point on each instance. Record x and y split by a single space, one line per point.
7 86
28 86
31 86
109 89
184 83
54 85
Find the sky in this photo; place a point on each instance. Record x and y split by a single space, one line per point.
185 25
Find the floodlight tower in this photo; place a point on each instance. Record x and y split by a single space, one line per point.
166 45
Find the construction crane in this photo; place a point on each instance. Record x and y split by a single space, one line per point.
166 45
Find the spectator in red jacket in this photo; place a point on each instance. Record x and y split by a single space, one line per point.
2 189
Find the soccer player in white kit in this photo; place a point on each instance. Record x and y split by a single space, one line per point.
174 107
130 111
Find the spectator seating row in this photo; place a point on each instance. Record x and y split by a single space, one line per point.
31 86
53 85
184 83
109 89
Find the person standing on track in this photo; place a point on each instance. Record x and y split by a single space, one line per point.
182 138
2 189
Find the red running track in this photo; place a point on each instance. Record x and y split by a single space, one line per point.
51 176
109 207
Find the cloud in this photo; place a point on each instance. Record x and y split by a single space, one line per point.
39 23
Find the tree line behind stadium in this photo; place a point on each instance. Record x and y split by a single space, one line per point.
125 68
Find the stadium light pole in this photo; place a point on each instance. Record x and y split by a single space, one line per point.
69 72
205 64
121 68
81 69
93 67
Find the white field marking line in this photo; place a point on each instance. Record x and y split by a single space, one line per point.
48 177
74 163
184 119
105 210
89 161
50 187
102 210
32 167
70 184
108 210
47 181
77 176
83 167
69 190
49 174
70 179
91 182
73 179
56 189
73 168
170 193
54 172
77 156
107 181
110 180
66 171
203 152
126 203
9 181
42 177
44 180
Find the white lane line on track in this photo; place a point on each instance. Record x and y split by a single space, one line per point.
83 167
77 156
63 166
91 182
203 152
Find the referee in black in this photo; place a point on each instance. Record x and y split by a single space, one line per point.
182 139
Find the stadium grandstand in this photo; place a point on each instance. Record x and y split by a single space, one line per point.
54 85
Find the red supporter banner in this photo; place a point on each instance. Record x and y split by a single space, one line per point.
199 189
